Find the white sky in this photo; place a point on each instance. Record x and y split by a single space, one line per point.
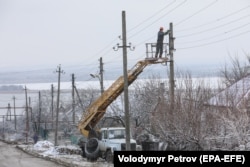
40 34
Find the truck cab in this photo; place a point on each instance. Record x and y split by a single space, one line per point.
114 139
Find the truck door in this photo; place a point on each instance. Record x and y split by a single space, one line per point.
103 140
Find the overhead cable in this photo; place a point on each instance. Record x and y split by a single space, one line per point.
213 28
199 11
219 19
217 41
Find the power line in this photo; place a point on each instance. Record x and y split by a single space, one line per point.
199 11
164 8
193 16
241 26
213 28
107 47
152 23
217 35
183 19
91 63
213 42
219 19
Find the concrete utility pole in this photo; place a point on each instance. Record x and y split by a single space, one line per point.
14 100
27 114
171 53
80 100
101 75
58 100
73 98
125 75
3 126
31 113
52 105
40 110
8 113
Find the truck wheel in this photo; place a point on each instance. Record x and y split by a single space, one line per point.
83 152
92 149
109 157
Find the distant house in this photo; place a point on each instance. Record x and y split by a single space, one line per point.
236 95
230 111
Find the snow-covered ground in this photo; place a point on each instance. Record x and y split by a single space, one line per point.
67 155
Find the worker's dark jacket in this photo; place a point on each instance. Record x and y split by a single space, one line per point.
160 37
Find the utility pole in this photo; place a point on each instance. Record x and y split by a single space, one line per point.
29 106
125 75
101 75
14 100
27 114
3 127
29 102
171 53
80 100
58 99
73 98
52 105
40 110
8 113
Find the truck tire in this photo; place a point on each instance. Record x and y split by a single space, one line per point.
83 152
109 156
92 149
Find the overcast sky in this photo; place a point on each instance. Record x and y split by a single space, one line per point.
40 34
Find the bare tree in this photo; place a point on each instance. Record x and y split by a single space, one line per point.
180 128
235 70
230 115
144 99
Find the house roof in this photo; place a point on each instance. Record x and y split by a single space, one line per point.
232 95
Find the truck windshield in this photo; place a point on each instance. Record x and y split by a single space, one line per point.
117 134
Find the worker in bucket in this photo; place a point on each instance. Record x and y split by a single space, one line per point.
159 45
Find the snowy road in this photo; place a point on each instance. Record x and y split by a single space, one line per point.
11 156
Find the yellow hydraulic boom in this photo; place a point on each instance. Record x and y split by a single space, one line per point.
97 109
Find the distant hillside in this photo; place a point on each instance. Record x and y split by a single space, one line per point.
7 88
82 74
26 77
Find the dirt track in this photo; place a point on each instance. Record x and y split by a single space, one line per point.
11 156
